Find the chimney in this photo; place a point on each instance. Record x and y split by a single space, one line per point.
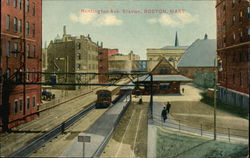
205 37
64 30
101 44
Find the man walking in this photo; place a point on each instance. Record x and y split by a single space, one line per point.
164 114
168 107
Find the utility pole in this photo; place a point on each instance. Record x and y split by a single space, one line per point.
215 95
151 96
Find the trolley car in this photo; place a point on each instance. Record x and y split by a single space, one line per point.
103 98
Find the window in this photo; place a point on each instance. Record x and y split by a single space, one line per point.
27 28
248 32
78 66
20 105
241 17
224 41
28 103
33 75
15 49
78 45
15 3
20 4
15 24
8 2
8 22
233 78
19 26
8 73
233 3
16 75
78 56
224 5
234 37
28 50
34 51
33 9
15 106
248 12
241 36
33 101
33 30
233 21
8 48
27 75
27 6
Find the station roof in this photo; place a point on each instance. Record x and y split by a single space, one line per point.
200 54
165 78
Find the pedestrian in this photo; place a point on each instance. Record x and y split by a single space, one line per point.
164 114
168 107
182 90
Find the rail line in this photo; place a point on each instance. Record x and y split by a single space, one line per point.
48 136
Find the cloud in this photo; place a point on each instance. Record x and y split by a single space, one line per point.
174 20
109 19
95 19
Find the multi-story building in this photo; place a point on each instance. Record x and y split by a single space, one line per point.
21 39
233 34
122 63
73 54
171 53
103 66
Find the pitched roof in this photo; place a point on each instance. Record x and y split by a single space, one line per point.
200 54
163 62
165 78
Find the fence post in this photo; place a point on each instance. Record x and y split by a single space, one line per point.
179 125
229 134
201 129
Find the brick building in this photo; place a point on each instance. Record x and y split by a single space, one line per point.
233 36
73 54
21 39
103 62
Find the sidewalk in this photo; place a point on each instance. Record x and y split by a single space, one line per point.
174 126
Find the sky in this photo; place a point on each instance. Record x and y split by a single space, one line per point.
130 25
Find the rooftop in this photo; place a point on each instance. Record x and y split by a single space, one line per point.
200 54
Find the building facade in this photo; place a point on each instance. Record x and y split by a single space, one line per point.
103 62
123 63
199 62
171 53
73 54
21 51
233 34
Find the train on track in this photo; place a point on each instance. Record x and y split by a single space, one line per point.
105 96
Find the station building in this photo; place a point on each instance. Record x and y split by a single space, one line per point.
166 79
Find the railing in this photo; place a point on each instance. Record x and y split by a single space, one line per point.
226 134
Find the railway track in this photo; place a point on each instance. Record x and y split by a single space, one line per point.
43 130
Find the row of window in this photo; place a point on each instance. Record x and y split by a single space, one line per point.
29 76
18 104
241 38
17 26
30 49
233 4
19 3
